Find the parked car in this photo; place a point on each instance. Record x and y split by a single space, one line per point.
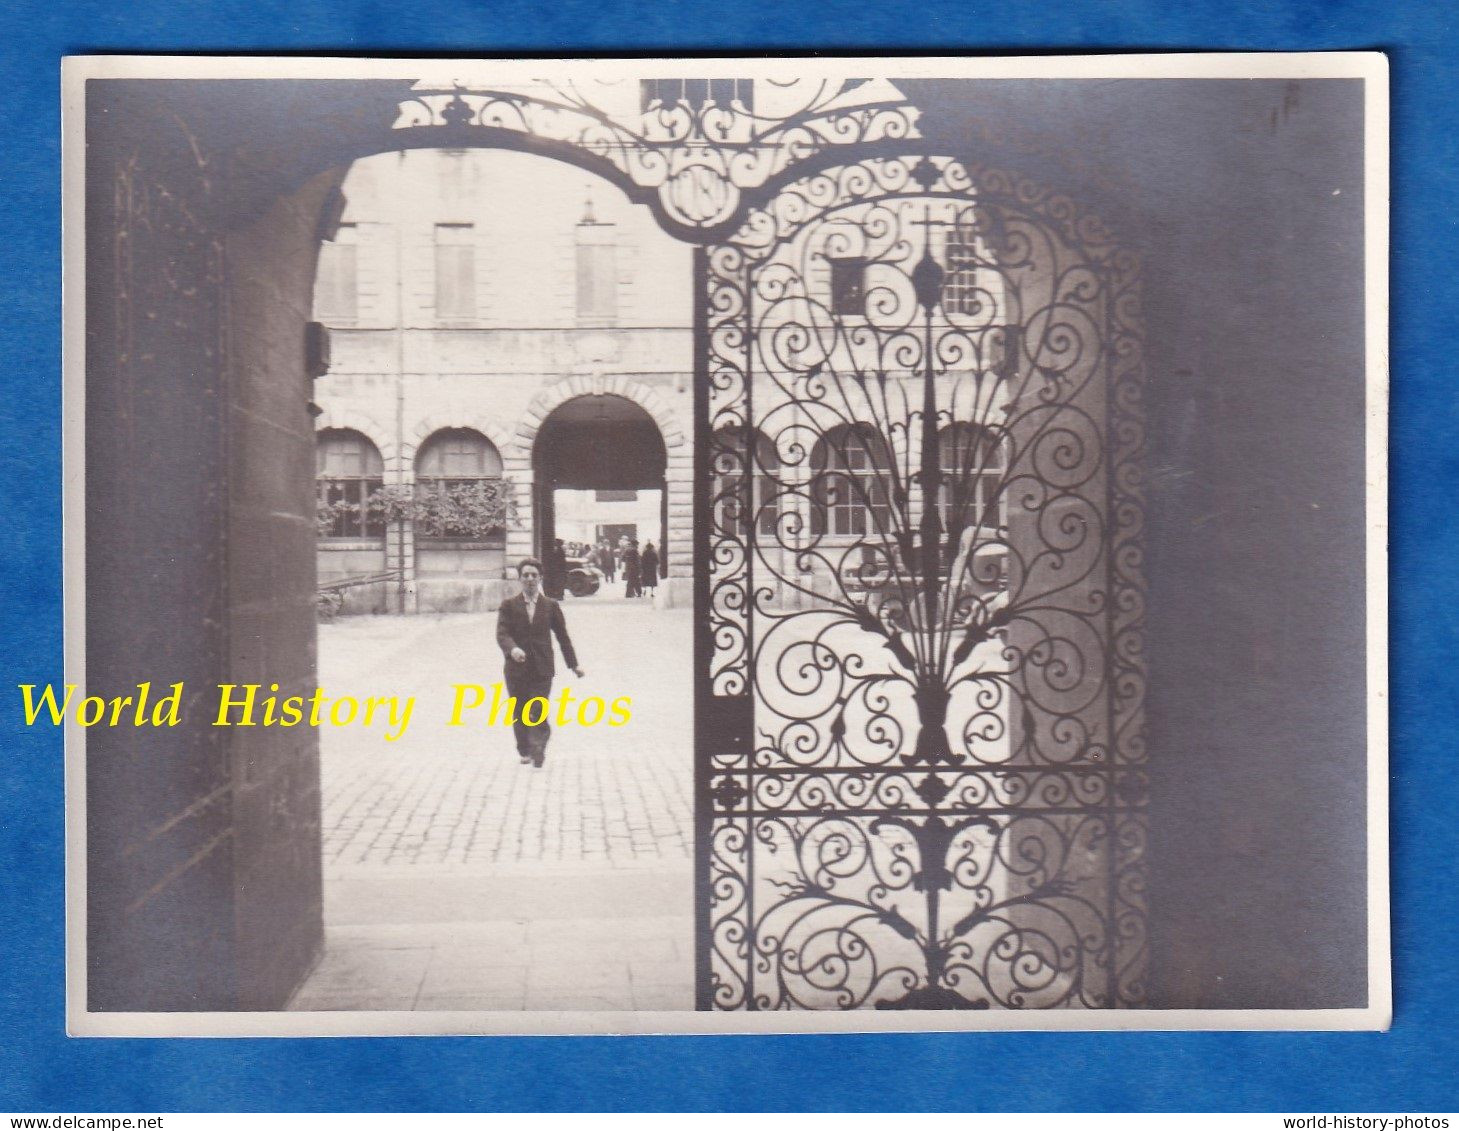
583 578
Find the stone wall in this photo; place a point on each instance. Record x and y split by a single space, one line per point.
271 567
203 842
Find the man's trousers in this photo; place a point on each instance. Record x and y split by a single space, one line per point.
531 740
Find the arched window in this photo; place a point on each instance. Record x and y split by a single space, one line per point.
348 470
850 482
729 473
973 462
451 459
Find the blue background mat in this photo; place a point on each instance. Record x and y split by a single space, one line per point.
1413 1067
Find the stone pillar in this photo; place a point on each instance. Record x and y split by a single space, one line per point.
158 822
400 534
517 470
678 587
270 557
203 843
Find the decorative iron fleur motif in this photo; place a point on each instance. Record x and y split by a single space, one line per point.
925 173
728 792
927 279
933 790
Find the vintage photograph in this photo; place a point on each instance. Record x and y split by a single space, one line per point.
717 545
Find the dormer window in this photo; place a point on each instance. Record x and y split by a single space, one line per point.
726 94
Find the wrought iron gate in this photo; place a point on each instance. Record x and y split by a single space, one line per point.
919 675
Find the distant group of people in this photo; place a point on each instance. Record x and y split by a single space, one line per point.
641 569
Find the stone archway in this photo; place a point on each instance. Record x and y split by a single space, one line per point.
473 419
677 473
208 851
204 217
365 425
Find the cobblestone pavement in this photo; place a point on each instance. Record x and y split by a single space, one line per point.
458 879
446 795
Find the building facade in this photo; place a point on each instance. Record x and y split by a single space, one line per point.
499 329
499 323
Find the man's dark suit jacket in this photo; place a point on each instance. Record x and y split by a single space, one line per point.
513 630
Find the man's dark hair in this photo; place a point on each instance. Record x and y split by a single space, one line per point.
525 562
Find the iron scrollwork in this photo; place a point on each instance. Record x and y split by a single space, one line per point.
697 153
925 576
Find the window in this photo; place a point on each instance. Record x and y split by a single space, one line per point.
451 459
848 285
455 272
349 470
723 93
850 483
730 472
960 291
964 293
597 282
973 464
337 289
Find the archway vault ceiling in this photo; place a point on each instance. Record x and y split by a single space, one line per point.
602 442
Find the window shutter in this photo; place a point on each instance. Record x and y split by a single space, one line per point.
336 296
597 282
455 271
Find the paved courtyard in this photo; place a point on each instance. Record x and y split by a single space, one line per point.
456 878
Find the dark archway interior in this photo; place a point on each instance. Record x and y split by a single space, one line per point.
603 442
594 442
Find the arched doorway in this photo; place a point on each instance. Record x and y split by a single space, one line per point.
603 457
526 368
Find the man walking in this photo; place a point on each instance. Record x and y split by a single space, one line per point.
525 625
